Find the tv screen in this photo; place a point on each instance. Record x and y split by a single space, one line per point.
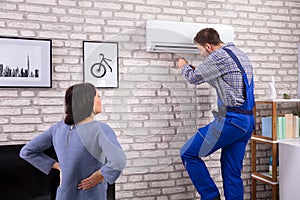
21 181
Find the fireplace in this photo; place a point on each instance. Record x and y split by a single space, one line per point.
21 181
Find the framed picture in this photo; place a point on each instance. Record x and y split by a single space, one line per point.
25 62
100 64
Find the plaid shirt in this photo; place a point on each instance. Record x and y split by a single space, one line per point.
221 72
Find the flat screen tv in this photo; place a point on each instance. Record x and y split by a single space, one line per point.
21 181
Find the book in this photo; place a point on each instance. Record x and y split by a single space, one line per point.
289 126
283 128
266 126
279 129
299 127
271 166
296 126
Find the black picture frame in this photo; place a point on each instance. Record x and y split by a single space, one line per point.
101 64
25 62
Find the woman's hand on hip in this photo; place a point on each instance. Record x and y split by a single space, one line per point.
57 167
91 181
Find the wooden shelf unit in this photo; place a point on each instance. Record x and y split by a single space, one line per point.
271 180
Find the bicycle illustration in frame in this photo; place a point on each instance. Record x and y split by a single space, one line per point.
101 63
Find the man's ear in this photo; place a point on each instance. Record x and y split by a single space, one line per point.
208 47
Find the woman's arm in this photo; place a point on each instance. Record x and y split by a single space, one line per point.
116 159
111 150
32 152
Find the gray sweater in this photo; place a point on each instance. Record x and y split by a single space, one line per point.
81 150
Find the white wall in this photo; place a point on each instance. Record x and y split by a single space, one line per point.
154 110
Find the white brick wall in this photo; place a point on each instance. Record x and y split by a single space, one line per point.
154 111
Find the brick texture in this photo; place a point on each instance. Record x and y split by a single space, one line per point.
154 111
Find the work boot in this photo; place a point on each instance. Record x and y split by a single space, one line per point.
217 198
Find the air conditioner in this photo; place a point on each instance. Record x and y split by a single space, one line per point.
178 37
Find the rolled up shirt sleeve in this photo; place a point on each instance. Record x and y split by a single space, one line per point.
213 67
192 75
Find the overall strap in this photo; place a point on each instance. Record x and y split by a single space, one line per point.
237 109
236 60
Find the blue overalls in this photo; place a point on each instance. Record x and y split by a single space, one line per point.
230 130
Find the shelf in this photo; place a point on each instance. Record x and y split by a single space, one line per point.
277 100
263 139
265 177
291 141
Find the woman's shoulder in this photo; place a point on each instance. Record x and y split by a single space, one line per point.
106 129
104 125
93 126
96 130
59 126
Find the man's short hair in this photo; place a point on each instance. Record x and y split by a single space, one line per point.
207 35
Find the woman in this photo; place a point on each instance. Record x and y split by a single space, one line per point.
89 155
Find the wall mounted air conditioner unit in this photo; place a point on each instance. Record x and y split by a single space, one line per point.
178 37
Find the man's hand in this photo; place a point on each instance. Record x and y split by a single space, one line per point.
91 181
181 62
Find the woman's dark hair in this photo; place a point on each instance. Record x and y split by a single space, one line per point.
79 102
207 35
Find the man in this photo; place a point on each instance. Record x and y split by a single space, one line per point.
228 70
